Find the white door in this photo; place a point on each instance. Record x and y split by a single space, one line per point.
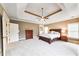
14 32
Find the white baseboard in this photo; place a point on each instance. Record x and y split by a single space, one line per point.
0 50
35 36
22 39
25 38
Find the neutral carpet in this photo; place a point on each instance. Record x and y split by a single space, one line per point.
36 47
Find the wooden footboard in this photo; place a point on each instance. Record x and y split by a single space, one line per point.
46 39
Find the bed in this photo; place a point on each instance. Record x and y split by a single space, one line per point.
54 35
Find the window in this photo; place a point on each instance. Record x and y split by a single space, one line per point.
73 30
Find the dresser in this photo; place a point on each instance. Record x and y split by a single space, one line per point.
29 34
64 38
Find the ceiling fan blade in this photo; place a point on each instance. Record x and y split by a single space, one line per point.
32 13
53 13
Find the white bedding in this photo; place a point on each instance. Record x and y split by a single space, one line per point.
35 47
51 35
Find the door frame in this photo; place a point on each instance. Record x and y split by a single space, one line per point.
1 36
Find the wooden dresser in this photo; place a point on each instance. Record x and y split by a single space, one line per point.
29 34
64 38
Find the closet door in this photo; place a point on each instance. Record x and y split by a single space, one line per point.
14 34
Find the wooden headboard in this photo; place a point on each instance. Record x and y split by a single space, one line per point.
57 30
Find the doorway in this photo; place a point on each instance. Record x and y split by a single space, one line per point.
14 32
1 37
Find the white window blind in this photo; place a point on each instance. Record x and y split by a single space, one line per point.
73 30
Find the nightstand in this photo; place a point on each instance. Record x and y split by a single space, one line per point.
64 38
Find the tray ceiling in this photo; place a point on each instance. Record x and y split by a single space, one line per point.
16 11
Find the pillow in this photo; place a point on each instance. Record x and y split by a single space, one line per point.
54 32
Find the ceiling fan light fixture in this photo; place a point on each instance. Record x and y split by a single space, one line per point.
42 19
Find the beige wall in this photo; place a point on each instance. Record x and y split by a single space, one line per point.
35 27
1 10
26 26
62 24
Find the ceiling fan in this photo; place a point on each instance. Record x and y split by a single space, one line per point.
43 17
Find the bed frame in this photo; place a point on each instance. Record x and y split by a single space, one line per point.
48 39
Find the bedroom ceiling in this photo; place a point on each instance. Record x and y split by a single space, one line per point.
16 11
